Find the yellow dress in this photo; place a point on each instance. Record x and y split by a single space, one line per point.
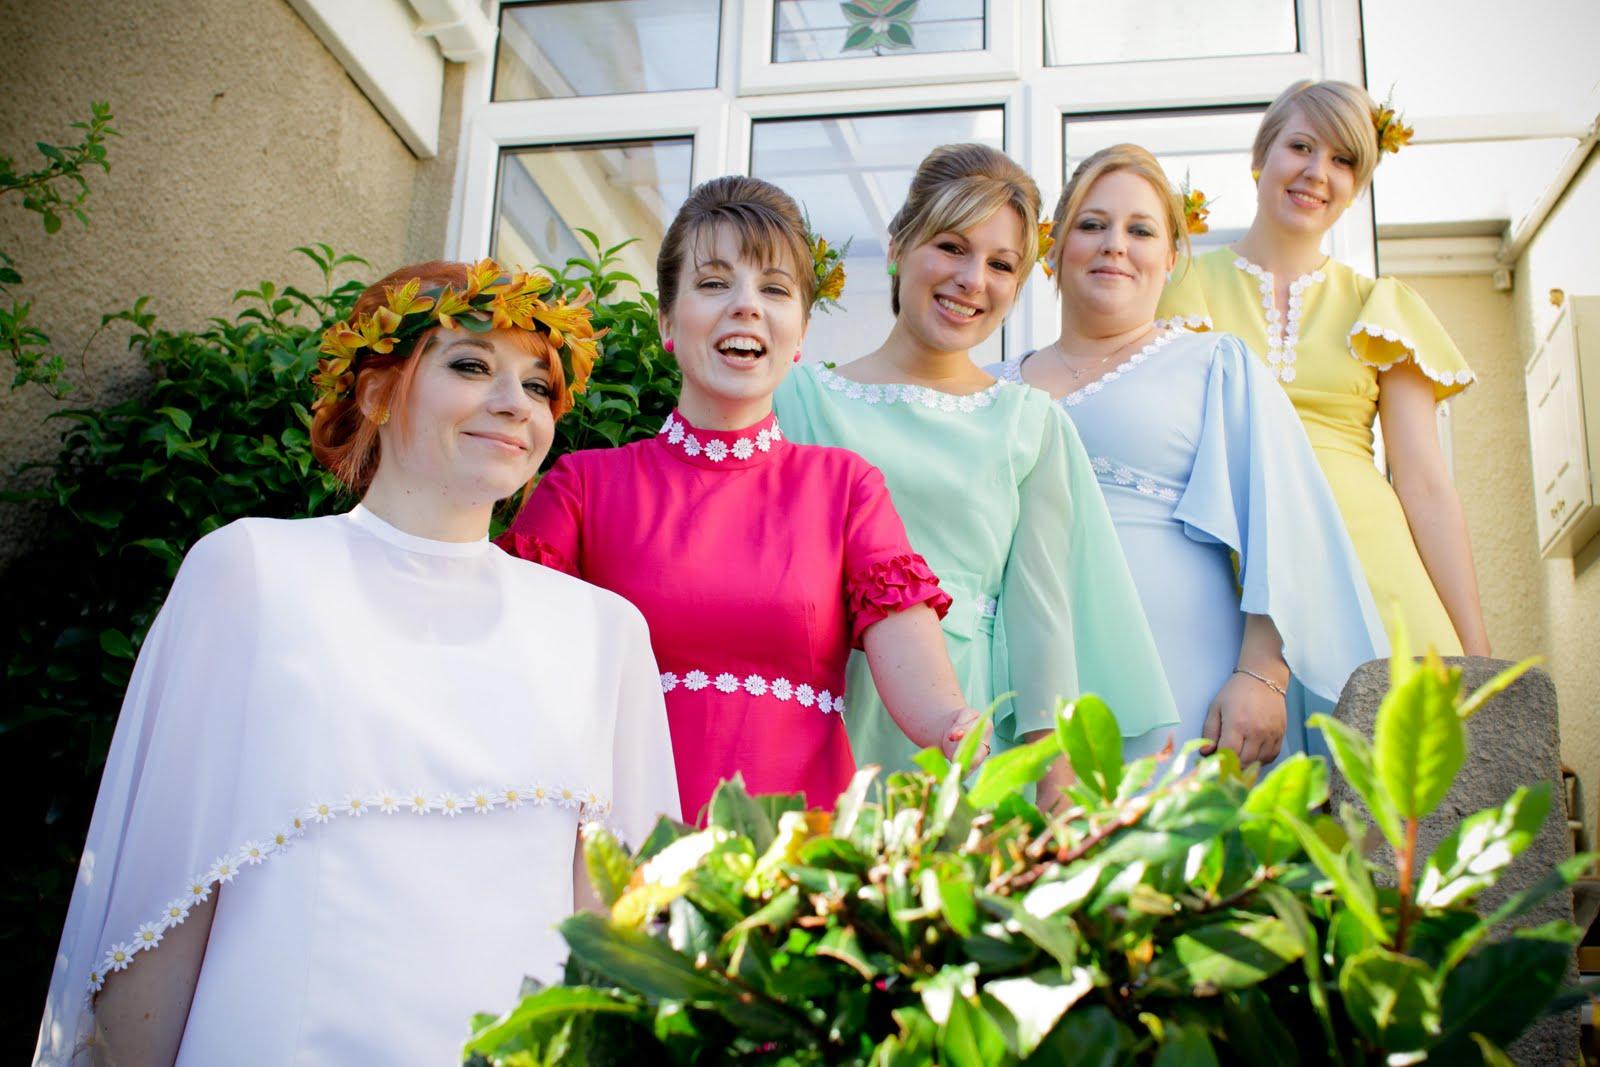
1341 329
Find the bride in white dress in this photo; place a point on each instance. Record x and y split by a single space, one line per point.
342 807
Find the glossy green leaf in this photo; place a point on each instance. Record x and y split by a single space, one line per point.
1029 1007
1348 873
557 1003
607 863
970 1038
1089 735
1503 986
1187 1045
1010 771
1296 785
1419 743
1471 858
1234 954
1393 1000
638 961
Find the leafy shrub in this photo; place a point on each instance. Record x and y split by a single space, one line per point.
220 433
1200 918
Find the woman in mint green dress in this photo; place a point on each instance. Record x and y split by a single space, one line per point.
986 475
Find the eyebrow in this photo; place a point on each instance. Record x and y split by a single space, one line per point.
469 342
1102 211
722 264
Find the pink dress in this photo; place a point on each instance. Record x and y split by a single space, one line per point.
758 565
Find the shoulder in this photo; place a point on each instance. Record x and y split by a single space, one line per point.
831 462
560 593
244 540
1007 371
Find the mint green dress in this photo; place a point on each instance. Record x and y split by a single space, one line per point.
998 496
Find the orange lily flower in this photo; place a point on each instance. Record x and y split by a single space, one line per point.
404 299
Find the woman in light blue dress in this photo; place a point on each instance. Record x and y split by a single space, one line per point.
1248 579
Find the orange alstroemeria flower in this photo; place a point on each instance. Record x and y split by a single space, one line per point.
832 287
1047 242
484 274
451 304
332 380
377 329
340 341
404 300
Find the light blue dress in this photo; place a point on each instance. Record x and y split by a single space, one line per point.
1202 460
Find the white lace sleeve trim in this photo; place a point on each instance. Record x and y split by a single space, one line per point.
1125 476
756 685
909 394
119 956
1464 376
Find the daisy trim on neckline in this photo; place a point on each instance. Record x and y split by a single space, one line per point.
1282 337
756 685
481 800
1162 338
679 435
934 399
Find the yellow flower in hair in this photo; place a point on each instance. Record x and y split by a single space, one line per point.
485 273
450 304
832 287
563 320
332 380
513 307
340 341
1196 208
1047 242
405 301
1393 134
376 328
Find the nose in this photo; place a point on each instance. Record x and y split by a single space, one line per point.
510 399
969 274
1316 167
745 302
1113 241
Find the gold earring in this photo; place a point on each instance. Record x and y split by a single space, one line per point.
383 417
1255 175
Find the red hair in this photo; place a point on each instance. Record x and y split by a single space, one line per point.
344 434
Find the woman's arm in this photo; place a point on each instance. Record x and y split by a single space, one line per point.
1247 714
1433 510
911 668
140 1014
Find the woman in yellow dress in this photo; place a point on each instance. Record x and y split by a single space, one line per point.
1348 348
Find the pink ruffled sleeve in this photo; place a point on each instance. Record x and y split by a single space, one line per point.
548 529
883 573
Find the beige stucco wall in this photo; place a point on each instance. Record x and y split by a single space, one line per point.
242 137
1565 254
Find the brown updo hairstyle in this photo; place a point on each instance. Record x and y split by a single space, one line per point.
961 185
1136 160
344 433
766 219
1340 113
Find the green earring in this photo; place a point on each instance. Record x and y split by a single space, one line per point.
894 268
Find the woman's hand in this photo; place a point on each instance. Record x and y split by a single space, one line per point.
962 723
1248 717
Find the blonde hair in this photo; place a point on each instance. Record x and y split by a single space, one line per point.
958 186
1136 160
1339 113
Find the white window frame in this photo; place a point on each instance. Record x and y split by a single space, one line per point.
1010 73
1000 59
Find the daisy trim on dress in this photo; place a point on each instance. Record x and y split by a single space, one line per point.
678 434
1084 392
756 685
119 955
1465 376
1124 475
909 394
1188 322
1282 337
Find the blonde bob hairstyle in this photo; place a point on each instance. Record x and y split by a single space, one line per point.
1135 160
958 186
1340 113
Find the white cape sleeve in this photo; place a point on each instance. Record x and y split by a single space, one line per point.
165 805
644 781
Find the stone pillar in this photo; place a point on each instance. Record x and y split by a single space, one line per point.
1514 740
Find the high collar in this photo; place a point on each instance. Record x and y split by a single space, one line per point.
721 449
384 531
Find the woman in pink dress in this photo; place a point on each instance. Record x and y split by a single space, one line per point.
759 564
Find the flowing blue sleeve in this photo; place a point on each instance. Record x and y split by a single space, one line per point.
1256 488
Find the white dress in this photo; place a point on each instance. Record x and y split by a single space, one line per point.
377 749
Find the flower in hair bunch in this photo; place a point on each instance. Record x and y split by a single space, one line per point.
1196 208
827 267
1047 242
494 298
1393 133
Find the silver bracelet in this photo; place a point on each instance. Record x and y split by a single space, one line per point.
1269 683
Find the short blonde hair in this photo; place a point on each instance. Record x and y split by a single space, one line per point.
1339 113
961 185
1129 157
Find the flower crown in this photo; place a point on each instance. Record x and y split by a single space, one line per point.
1047 241
1393 133
494 299
1196 208
827 268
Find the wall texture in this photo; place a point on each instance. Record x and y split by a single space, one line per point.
1565 255
242 137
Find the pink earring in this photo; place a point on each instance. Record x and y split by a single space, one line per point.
667 344
797 356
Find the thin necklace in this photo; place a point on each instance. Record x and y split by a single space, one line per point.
1077 375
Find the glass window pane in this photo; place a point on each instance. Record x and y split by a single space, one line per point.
617 190
826 29
596 47
851 174
1211 148
1091 31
